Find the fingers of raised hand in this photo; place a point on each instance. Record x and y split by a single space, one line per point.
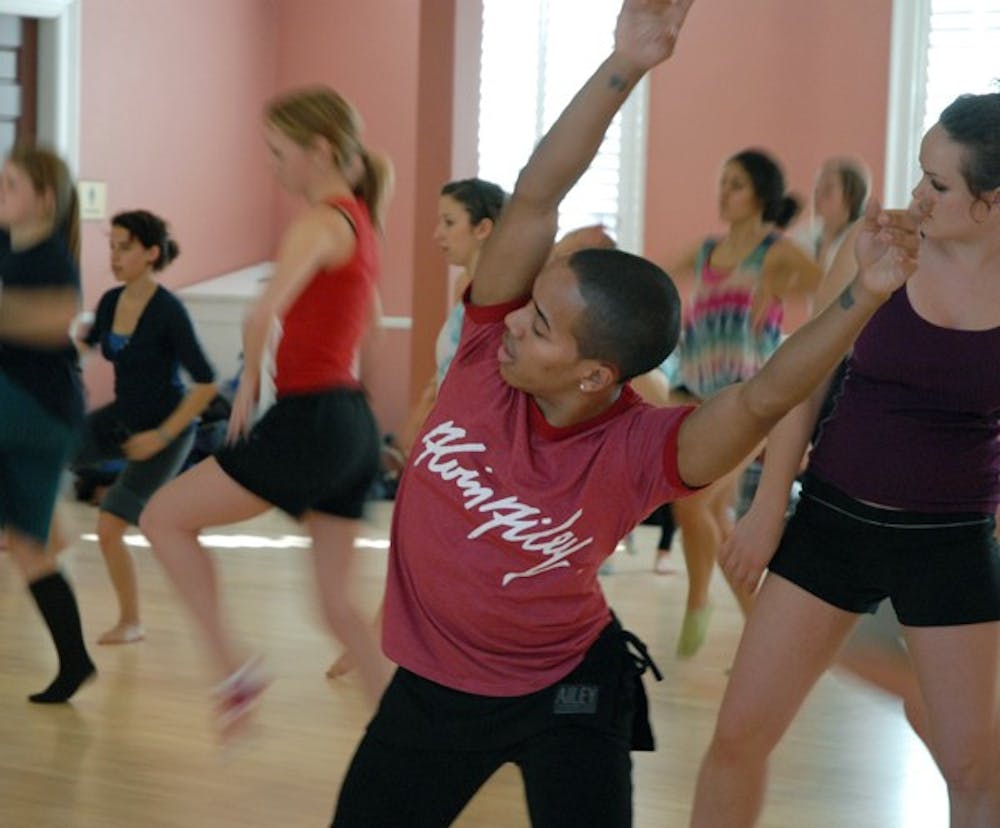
899 230
651 27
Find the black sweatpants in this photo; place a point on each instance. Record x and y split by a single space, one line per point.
430 748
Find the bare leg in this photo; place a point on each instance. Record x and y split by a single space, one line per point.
32 558
345 661
876 654
702 532
700 538
203 496
333 558
958 672
790 639
722 507
121 568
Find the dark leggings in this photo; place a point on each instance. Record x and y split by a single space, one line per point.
430 748
573 778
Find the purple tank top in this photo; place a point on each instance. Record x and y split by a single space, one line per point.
917 422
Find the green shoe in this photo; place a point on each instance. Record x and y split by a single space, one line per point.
693 631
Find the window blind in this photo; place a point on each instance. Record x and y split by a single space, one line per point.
963 52
535 54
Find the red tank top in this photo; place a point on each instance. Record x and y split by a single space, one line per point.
323 328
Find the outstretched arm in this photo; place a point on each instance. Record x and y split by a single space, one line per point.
645 35
38 317
726 427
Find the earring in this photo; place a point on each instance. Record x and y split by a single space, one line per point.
582 387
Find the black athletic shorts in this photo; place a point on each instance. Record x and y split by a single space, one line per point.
309 452
938 569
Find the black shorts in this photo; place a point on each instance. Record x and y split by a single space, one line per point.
429 748
309 452
938 569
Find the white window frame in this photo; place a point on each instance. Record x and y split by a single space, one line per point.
58 71
632 153
907 97
907 83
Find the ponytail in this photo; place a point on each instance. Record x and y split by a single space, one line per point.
375 186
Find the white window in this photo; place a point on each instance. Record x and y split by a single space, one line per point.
535 55
940 49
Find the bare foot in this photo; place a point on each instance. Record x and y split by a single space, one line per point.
123 634
341 667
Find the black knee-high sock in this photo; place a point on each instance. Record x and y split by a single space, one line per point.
57 604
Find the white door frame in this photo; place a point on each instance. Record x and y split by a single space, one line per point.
58 71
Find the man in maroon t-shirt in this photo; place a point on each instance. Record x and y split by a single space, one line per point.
536 459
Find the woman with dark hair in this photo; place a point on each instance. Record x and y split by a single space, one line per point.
898 503
731 326
468 209
41 396
145 331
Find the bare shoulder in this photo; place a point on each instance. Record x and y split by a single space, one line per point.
685 262
327 231
783 250
789 268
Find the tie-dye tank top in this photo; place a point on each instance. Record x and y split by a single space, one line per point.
719 345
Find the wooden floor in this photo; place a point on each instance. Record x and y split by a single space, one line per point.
135 748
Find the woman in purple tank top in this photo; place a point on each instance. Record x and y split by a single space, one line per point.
898 502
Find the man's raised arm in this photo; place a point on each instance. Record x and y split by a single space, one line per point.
645 35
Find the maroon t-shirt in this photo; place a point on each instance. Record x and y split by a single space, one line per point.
502 521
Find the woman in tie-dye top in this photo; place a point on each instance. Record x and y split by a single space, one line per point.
731 326
724 341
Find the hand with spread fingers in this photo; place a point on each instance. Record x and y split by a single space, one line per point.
886 248
647 30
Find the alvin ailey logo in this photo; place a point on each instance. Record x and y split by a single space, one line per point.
517 522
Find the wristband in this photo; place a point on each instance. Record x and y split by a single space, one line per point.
167 439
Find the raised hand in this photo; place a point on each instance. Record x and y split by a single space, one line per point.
647 30
886 248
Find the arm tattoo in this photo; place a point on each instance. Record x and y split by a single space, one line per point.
617 82
847 299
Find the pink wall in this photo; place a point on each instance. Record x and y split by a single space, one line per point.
802 80
383 57
172 91
171 95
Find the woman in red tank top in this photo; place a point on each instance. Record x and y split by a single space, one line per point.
315 452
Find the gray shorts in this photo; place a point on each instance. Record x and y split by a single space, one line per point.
103 436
